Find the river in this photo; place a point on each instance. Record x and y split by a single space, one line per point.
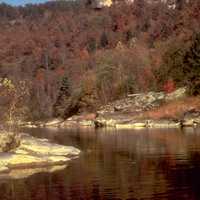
117 164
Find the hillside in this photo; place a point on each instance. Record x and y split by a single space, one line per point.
71 57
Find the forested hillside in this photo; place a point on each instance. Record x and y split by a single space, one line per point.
67 57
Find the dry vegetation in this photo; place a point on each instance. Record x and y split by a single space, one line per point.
174 109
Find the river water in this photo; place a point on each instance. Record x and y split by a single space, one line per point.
125 164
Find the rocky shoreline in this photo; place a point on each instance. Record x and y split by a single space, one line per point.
130 113
22 155
120 121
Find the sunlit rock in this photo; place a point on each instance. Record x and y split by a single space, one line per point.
191 118
4 169
32 154
102 3
53 122
24 173
43 147
132 125
177 94
164 123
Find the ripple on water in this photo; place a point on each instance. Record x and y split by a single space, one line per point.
126 164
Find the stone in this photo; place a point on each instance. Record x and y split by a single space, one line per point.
191 118
34 155
177 94
86 123
134 103
43 147
188 122
164 123
80 120
113 119
120 121
29 124
4 169
68 123
146 100
132 125
54 122
123 112
20 151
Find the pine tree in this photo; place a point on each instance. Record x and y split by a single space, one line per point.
65 87
182 65
64 95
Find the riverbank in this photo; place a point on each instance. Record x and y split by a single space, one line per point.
144 110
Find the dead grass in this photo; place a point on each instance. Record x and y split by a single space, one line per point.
174 109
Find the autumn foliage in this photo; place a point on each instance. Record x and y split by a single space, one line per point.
174 109
105 53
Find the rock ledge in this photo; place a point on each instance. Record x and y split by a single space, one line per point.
31 154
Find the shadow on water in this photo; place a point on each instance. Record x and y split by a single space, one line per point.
123 164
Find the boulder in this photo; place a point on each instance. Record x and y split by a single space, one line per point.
54 122
43 147
86 123
129 122
29 124
8 141
83 120
4 169
112 119
149 100
31 152
132 124
119 121
177 94
191 118
164 123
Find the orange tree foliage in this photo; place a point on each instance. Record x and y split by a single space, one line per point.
43 43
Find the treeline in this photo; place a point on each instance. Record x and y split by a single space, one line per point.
74 57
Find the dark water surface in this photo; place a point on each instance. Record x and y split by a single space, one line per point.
126 164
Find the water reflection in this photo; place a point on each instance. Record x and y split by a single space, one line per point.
126 164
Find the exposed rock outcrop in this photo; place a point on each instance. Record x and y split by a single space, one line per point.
126 122
43 147
164 123
177 94
136 103
34 153
191 118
